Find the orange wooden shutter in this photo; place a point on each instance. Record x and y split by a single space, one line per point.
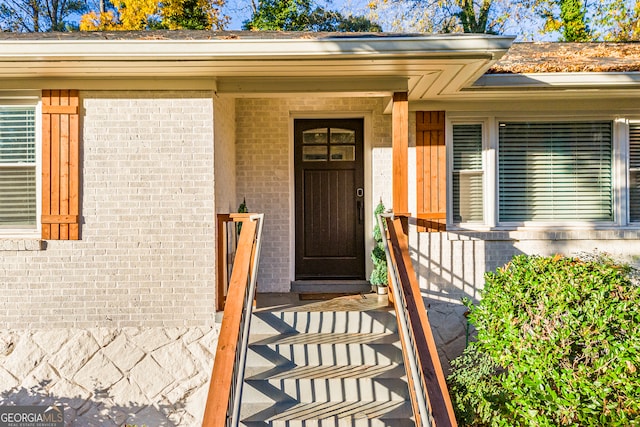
431 166
60 165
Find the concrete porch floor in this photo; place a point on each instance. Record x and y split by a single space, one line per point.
291 301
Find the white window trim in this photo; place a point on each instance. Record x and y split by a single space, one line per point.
486 180
29 233
619 171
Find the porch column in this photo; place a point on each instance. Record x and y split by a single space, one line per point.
400 126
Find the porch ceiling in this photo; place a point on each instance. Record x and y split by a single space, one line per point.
424 66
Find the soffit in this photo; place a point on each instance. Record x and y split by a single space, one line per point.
425 66
579 85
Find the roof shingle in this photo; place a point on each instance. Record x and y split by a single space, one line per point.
569 58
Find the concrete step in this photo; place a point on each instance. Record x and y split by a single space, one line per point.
333 371
333 422
342 368
330 414
309 390
324 350
316 322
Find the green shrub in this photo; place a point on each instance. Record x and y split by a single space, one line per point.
379 276
558 344
474 386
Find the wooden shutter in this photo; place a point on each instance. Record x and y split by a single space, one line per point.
60 165
431 167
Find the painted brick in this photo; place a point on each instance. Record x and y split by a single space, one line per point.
451 265
148 231
263 165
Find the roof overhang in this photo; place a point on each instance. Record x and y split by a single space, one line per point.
426 66
546 85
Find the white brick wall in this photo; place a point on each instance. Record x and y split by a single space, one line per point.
146 257
225 154
451 265
264 164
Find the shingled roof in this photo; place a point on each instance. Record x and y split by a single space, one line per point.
569 58
200 35
547 57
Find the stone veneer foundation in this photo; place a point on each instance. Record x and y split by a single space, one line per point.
110 377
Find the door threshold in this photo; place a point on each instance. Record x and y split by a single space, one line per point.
330 286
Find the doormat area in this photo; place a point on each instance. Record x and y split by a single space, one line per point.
325 296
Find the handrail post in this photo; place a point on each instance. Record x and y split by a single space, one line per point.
225 388
222 275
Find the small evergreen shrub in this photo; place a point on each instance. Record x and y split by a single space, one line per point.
379 275
558 344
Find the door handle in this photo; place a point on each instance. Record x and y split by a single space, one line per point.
360 207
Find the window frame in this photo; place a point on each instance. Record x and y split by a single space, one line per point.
619 172
484 123
6 100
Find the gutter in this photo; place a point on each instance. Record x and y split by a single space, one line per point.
450 46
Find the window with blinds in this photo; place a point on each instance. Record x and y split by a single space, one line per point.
18 198
468 173
558 171
634 172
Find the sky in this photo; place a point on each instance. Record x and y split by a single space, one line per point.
524 27
240 10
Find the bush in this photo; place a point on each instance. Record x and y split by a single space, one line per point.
379 275
558 344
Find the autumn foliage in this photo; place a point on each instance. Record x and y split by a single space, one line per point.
157 14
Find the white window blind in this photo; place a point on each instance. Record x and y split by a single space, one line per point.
467 173
558 171
634 172
17 167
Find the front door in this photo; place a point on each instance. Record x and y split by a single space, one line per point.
329 185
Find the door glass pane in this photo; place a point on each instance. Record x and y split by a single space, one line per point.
343 153
315 136
343 136
314 153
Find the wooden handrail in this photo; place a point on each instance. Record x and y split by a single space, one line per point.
420 341
229 362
